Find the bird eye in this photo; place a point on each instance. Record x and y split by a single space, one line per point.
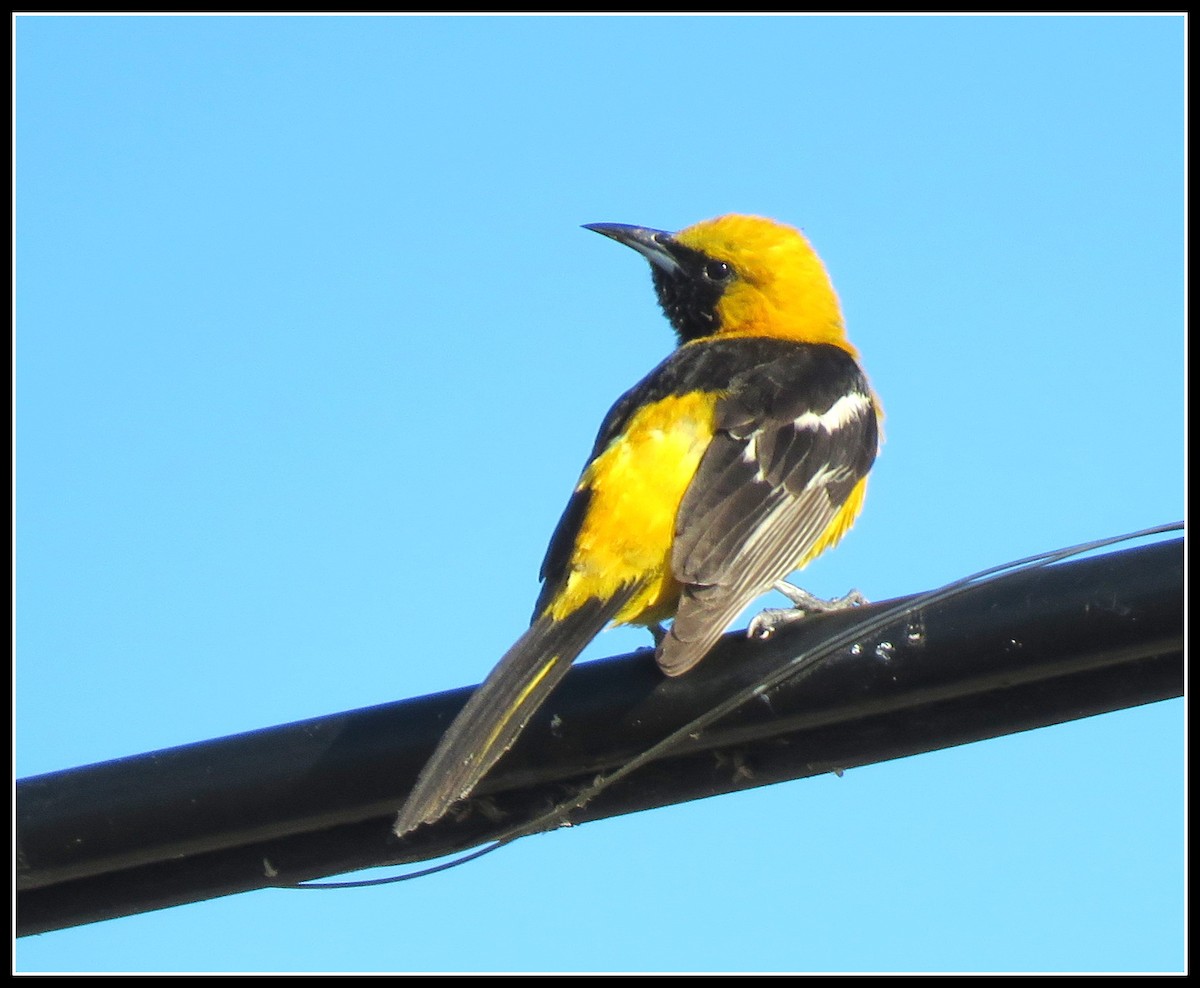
718 271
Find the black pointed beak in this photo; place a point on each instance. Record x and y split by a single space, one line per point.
656 246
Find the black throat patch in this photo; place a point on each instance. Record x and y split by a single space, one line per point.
688 296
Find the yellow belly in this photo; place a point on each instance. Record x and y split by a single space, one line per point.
636 486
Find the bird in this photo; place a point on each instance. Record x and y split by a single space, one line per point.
738 459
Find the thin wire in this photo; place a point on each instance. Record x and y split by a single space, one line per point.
392 879
806 663
797 668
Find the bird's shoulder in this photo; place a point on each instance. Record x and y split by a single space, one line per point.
750 377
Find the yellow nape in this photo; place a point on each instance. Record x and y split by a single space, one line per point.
782 288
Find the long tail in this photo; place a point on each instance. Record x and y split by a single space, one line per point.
500 708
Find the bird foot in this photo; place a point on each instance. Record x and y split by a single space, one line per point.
768 622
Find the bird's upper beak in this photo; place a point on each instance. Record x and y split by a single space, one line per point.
654 245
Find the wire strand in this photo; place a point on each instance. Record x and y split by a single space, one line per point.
797 668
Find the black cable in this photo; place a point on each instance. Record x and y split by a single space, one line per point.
289 804
802 665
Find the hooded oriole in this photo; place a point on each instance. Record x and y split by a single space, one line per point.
737 460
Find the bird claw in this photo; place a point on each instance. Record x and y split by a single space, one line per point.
766 623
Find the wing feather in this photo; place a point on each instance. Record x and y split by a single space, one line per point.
788 453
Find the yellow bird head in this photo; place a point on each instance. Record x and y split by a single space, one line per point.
738 276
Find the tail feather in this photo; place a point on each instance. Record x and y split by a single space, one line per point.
499 709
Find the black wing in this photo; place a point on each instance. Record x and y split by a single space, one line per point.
709 365
795 435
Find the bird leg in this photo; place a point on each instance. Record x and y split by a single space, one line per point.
769 621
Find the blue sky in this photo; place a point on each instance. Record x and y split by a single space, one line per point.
310 348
